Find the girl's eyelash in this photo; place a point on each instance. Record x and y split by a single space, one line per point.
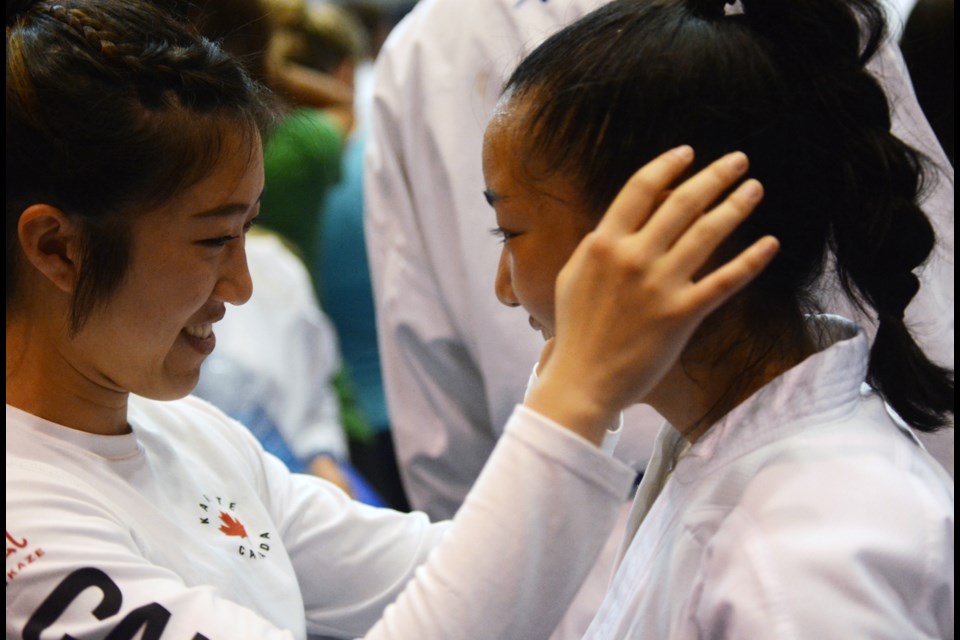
502 234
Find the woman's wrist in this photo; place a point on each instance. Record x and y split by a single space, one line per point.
561 399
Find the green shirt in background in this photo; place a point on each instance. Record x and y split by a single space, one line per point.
302 160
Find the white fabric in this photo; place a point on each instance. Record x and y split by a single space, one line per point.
149 517
585 603
282 334
809 511
897 13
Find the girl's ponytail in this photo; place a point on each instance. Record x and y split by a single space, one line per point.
878 233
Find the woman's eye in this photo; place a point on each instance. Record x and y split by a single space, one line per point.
503 234
221 241
218 242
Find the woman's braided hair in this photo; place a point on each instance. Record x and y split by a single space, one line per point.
112 108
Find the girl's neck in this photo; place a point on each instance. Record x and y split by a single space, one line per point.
708 382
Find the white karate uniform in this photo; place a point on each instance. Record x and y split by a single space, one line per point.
809 511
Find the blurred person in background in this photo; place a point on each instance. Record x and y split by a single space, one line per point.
343 274
297 397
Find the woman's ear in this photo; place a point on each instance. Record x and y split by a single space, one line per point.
50 242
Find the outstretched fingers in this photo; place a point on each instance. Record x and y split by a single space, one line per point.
723 283
646 268
697 243
639 198
694 246
687 203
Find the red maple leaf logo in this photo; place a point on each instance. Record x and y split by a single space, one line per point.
232 527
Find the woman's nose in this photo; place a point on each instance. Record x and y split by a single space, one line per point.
235 285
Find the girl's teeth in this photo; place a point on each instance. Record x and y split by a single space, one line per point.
200 331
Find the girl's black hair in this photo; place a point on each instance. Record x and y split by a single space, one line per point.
112 108
786 83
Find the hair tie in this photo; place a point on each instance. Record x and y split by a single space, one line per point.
734 8
715 9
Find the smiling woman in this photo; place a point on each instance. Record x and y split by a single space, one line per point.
99 200
187 263
129 191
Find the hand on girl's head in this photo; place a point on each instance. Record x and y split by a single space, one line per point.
628 297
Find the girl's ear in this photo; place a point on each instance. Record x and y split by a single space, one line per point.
50 242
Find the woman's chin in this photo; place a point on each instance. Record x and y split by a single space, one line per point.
171 388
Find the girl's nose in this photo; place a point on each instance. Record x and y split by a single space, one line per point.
504 284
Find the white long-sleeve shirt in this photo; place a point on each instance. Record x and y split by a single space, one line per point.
186 528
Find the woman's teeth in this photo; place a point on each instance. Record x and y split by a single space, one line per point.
200 330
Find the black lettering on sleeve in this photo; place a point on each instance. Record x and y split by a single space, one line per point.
66 592
153 615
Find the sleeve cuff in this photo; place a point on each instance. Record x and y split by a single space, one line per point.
610 438
574 452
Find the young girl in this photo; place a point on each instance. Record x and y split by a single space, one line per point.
134 168
786 497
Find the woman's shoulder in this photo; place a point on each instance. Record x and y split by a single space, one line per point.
868 496
867 467
863 483
181 431
842 534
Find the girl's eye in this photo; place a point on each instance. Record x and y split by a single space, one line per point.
503 234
